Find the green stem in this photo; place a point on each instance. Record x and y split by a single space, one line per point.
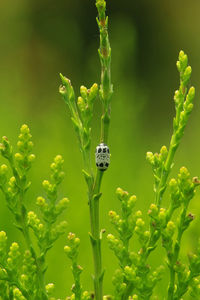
94 191
176 254
166 170
105 122
95 236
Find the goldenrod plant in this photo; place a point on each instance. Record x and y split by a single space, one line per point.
22 271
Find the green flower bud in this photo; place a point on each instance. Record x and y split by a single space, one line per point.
62 204
66 90
71 236
81 104
191 94
110 237
93 91
177 97
122 195
50 288
164 153
140 223
20 145
3 237
86 295
153 211
41 202
6 148
46 185
58 160
12 181
83 92
182 62
3 169
67 249
131 201
150 158
187 73
24 129
129 273
18 157
170 228
138 214
18 294
30 145
31 158
162 215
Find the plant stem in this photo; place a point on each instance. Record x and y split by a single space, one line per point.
94 188
166 170
176 253
95 236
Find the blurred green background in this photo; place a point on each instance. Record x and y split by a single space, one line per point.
39 39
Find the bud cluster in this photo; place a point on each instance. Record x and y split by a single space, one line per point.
72 250
24 156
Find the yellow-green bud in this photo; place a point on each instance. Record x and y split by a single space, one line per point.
20 144
83 91
31 157
132 200
171 227
153 211
77 241
81 104
18 156
30 145
147 234
3 237
49 288
150 157
110 237
41 201
121 193
14 247
93 91
12 180
53 166
140 222
46 184
138 213
164 152
191 93
184 173
24 129
58 159
162 214
71 236
3 169
188 71
112 214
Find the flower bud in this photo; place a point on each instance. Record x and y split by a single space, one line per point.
83 92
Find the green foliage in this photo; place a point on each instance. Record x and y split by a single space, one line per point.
23 275
22 272
135 274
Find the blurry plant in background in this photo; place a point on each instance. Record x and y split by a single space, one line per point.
33 50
